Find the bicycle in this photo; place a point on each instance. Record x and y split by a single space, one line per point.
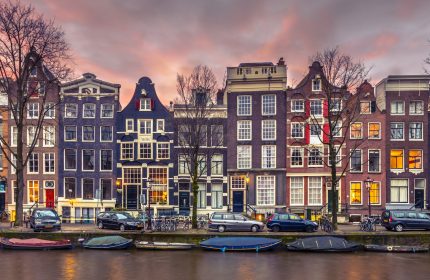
202 222
326 225
368 225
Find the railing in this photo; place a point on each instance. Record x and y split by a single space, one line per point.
252 210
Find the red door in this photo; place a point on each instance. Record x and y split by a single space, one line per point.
49 198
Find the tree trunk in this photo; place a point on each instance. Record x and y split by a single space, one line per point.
19 196
334 193
195 188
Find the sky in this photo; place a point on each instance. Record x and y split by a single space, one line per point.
123 40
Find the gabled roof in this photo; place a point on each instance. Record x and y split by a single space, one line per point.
89 77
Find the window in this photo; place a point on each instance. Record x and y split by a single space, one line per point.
374 161
296 191
244 157
356 131
297 105
33 110
201 195
71 111
397 108
416 107
356 161
415 159
244 105
145 104
216 196
159 184
48 136
375 193
336 105
88 160
145 150
396 159
70 159
297 156
70 187
269 157
269 105
314 191
184 167
163 150
203 135
13 136
127 151
365 107
70 133
244 130
217 134
88 133
160 125
132 176
316 107
355 193
33 163
416 131
337 129
217 165
89 110
374 131
399 190
106 133
316 85
265 190
106 188
33 72
87 188
315 131
396 131
129 125
31 136
145 126
106 160
33 191
338 151
202 165
49 110
315 157
238 182
297 130
107 111
269 130
49 163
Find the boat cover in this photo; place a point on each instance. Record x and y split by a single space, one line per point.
106 241
323 243
36 241
240 243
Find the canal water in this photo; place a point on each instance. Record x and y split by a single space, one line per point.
198 264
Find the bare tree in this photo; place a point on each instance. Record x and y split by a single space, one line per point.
33 58
193 112
342 111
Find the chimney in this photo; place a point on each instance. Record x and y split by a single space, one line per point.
281 62
220 97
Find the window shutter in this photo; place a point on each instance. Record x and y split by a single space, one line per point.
307 108
373 106
137 104
307 134
152 104
325 108
326 133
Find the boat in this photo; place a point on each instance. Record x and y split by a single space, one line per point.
108 242
35 244
323 244
396 248
224 244
162 245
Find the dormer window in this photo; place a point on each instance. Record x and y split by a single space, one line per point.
145 104
316 85
33 72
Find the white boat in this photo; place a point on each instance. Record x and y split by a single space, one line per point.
162 245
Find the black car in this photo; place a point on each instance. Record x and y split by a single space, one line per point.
399 220
45 219
118 220
290 222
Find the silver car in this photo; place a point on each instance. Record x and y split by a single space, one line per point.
233 222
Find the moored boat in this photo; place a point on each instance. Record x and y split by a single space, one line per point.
162 245
240 243
396 248
35 244
108 242
323 244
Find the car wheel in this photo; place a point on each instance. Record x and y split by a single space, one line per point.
122 228
221 228
309 229
399 227
100 225
276 228
255 228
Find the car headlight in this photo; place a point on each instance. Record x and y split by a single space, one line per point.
38 221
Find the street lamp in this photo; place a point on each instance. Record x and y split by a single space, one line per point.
247 190
368 183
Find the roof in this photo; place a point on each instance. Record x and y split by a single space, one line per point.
92 77
256 64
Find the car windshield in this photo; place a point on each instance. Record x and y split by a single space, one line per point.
45 213
123 216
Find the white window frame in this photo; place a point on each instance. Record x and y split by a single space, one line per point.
406 187
422 107
111 129
302 126
48 141
94 133
369 103
145 104
140 150
320 188
82 160
267 188
264 124
238 105
122 148
319 84
214 166
160 125
368 131
293 107
391 107
102 109
302 153
361 131
33 111
302 203
127 122
49 111
361 161
76 159
264 156
242 130
422 131
44 163
322 107
76 133
13 136
263 113
368 159
30 159
145 121
68 107
361 192
31 139
159 148
84 110
249 149
403 131
100 161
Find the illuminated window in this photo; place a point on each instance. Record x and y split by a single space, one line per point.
33 191
396 159
374 131
415 159
356 131
375 193
355 192
158 192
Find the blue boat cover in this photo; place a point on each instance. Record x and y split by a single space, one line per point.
237 243
106 241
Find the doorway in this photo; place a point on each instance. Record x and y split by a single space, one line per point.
49 198
238 201
132 198
419 198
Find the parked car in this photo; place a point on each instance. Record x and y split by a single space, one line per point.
290 222
118 220
45 219
233 222
400 220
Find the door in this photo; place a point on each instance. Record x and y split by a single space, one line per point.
131 197
49 198
2 202
419 198
184 201
238 201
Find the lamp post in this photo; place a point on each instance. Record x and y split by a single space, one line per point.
148 210
368 183
247 191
